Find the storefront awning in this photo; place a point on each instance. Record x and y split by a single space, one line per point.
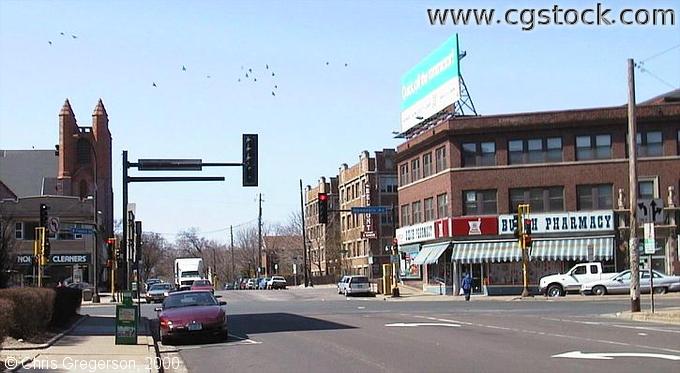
410 248
573 248
489 251
431 253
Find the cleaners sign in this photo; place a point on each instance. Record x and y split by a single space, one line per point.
581 221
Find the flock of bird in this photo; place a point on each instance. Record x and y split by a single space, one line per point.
247 74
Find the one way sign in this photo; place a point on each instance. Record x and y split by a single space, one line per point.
650 211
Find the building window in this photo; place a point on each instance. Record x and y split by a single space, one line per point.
544 150
19 231
405 215
83 151
479 202
429 209
593 147
427 164
440 159
417 212
595 197
649 144
403 174
539 199
479 154
442 205
415 169
647 189
388 184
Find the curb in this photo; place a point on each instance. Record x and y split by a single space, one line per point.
52 340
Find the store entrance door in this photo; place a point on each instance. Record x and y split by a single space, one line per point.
477 271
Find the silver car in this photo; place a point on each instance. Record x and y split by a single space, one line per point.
158 292
620 284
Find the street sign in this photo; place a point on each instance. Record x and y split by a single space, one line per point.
650 210
649 243
83 231
53 224
370 210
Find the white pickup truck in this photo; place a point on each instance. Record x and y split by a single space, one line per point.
560 284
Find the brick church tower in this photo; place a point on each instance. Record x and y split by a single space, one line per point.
85 161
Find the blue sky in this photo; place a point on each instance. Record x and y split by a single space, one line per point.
322 115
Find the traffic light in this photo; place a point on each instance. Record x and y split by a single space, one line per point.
111 248
47 249
249 160
527 226
43 215
323 208
527 241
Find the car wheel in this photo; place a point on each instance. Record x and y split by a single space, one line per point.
660 290
554 291
165 339
599 290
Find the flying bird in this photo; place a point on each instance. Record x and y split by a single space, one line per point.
273 94
255 79
276 87
184 68
272 74
266 67
327 63
154 84
62 34
49 42
207 76
239 79
250 70
73 36
246 75
345 64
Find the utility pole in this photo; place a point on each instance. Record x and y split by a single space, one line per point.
233 265
259 236
304 236
632 180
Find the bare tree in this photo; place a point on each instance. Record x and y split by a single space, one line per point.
190 243
154 249
7 246
247 250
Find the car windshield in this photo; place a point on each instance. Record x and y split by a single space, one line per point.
160 287
201 282
278 278
360 280
189 300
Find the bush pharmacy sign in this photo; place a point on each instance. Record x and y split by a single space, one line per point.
431 85
580 221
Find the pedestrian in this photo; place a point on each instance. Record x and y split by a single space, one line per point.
467 286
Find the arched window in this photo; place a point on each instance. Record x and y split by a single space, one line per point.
83 148
83 189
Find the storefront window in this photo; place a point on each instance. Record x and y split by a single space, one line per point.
408 270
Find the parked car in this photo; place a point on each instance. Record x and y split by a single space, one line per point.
357 285
191 313
262 284
342 283
158 292
277 282
230 286
620 284
560 284
202 285
251 284
243 283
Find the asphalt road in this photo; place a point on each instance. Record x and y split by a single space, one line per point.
317 330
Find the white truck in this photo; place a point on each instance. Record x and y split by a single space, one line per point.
560 284
188 270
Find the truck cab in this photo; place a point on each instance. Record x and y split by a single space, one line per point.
571 281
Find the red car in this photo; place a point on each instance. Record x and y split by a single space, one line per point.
192 313
202 285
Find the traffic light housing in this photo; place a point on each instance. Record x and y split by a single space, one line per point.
47 249
43 215
323 208
111 248
527 241
249 160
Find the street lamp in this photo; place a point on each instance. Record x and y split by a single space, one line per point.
95 296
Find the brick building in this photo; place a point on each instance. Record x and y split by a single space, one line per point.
323 240
69 181
462 179
370 182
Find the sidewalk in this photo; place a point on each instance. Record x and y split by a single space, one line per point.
669 315
91 347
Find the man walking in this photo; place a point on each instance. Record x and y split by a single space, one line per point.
467 286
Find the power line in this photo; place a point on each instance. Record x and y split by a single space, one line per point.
212 231
659 54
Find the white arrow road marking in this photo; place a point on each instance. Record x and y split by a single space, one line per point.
421 324
612 355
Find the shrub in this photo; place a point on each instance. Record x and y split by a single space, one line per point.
31 310
6 313
66 304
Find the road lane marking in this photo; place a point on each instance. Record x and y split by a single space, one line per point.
649 328
642 334
612 355
422 324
